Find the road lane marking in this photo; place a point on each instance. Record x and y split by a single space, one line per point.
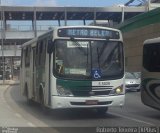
18 115
133 119
31 124
15 108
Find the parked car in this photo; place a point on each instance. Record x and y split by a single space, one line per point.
138 75
132 82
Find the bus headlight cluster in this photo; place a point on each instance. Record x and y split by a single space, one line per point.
117 91
63 92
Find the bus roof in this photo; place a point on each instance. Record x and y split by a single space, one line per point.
34 39
88 26
153 40
29 42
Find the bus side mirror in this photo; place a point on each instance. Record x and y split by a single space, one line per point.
50 46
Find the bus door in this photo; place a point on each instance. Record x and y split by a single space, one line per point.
34 72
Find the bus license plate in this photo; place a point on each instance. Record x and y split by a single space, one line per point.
91 102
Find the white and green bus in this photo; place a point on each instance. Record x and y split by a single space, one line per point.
150 92
74 67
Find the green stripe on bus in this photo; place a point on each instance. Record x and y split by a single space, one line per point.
75 84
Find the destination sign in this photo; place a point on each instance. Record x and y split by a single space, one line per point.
88 33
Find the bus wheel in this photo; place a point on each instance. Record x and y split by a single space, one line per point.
102 110
45 110
41 98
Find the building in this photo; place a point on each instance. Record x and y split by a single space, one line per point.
135 31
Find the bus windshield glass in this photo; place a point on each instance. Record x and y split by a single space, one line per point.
77 59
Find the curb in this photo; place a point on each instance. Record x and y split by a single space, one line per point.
10 82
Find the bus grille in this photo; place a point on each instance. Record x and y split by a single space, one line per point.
90 93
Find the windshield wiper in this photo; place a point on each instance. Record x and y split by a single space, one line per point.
99 54
103 48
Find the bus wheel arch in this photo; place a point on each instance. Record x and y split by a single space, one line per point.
45 110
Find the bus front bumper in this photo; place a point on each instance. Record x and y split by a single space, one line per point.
87 102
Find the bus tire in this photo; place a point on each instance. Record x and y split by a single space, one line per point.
41 97
45 110
102 110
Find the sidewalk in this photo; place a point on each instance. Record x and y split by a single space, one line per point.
8 116
12 120
3 87
9 82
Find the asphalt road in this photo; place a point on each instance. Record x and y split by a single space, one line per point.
133 114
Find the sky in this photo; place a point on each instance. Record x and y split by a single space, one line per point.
77 3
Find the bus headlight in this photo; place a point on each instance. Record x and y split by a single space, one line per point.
117 91
63 92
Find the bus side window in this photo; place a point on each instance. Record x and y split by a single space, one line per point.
37 55
43 52
155 62
27 57
40 49
40 53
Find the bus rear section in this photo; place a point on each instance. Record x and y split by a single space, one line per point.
150 93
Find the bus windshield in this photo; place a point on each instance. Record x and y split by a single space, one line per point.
79 59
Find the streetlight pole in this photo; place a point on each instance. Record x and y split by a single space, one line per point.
2 43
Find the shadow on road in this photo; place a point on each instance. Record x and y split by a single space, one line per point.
60 114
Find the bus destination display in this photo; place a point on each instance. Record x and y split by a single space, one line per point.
88 33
